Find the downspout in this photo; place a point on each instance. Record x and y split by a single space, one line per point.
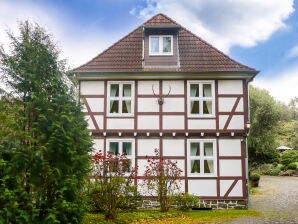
246 145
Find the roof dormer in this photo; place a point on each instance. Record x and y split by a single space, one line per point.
160 48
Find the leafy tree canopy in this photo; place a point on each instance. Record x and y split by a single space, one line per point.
264 115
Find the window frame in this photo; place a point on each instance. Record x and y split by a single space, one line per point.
201 98
202 158
160 42
120 98
120 141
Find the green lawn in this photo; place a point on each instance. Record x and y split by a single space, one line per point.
153 216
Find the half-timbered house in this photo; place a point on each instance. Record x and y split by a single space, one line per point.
163 87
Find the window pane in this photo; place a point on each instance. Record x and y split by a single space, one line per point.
207 90
114 147
208 149
207 107
194 90
114 106
208 166
166 44
194 107
195 166
126 89
126 106
126 148
154 44
114 91
195 149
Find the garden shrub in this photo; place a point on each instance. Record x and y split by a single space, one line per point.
287 173
289 156
162 179
186 201
113 188
292 166
255 176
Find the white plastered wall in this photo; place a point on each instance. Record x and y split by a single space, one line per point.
229 147
177 87
96 104
119 123
202 124
226 104
229 167
173 147
92 87
146 146
202 187
98 144
172 122
173 105
145 87
230 87
148 105
147 122
237 122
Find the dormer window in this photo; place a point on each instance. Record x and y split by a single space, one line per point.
161 45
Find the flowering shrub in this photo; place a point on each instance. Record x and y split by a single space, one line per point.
113 188
162 179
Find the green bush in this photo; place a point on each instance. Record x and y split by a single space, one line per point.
287 173
274 172
255 176
292 166
288 156
186 201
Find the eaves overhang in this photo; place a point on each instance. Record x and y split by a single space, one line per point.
149 75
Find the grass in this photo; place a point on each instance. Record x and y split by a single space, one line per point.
154 216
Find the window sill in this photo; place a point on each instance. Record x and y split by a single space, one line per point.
120 116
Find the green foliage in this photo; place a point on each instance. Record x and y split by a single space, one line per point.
268 169
289 156
113 188
265 115
292 166
162 179
44 142
255 176
186 201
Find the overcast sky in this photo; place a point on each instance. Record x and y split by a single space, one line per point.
262 34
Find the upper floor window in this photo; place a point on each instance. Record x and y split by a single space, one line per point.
120 98
161 45
201 99
201 156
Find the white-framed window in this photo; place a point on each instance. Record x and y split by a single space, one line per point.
120 98
160 45
120 146
201 98
201 155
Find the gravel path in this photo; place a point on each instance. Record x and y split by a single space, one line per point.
277 199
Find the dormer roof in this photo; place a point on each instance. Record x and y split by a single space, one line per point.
195 54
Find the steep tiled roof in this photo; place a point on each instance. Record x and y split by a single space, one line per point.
195 54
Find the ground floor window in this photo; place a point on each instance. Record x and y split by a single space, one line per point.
201 157
123 146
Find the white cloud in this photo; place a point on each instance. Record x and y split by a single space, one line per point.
283 87
224 23
293 53
77 44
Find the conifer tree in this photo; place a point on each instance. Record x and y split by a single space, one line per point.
44 158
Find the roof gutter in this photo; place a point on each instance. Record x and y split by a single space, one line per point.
248 75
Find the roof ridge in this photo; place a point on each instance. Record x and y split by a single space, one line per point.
215 48
161 14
